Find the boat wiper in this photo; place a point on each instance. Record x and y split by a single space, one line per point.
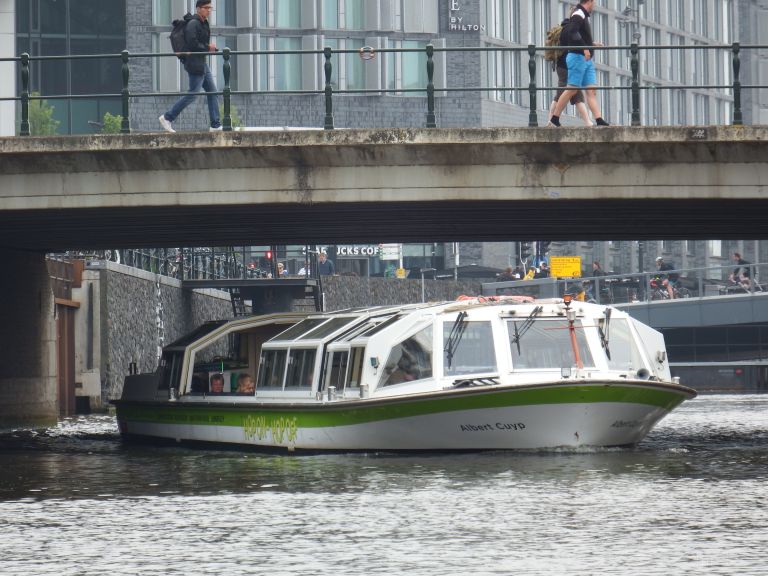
457 331
604 332
525 326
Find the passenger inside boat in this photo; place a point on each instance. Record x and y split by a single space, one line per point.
217 383
245 384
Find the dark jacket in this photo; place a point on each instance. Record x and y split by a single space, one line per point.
578 31
197 35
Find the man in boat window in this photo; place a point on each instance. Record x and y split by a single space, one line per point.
217 383
245 384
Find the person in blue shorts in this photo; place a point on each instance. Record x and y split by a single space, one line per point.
581 67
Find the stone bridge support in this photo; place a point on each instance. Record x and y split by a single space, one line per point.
28 386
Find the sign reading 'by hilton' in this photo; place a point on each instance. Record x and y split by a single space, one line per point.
456 22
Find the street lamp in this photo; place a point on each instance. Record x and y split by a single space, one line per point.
627 12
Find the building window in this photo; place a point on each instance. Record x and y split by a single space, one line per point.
676 59
288 14
330 14
503 20
716 248
287 66
161 10
217 62
540 20
226 13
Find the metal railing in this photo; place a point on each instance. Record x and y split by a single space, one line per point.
25 62
628 288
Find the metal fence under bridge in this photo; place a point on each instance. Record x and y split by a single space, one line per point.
732 89
641 287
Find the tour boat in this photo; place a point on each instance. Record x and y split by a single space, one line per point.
472 374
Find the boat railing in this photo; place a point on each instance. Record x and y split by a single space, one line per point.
637 287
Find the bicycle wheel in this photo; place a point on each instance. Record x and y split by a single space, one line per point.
683 293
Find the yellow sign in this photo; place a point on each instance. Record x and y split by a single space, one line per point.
400 273
565 266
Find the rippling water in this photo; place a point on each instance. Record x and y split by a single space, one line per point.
691 499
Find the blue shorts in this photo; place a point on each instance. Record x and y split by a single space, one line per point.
581 72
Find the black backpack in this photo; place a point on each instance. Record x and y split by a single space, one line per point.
178 43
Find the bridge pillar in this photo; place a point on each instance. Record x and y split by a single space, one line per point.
28 386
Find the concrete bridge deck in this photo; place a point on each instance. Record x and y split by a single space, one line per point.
404 185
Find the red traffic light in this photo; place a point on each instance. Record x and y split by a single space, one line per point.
269 254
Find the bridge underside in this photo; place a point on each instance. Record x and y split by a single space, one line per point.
114 191
374 222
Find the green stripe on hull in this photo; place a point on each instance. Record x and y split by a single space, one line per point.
330 415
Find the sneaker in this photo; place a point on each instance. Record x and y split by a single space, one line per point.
166 124
215 129
601 122
554 122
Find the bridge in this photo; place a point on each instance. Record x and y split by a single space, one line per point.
404 185
408 185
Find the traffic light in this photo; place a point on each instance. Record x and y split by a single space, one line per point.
269 254
544 246
525 251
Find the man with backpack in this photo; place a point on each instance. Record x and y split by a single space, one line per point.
581 68
197 36
557 57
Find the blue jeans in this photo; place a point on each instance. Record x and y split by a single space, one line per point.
196 81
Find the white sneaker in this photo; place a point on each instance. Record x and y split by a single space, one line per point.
217 129
165 124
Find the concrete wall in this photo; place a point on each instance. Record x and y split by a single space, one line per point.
126 315
28 393
349 292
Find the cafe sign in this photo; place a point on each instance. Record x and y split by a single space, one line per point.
457 21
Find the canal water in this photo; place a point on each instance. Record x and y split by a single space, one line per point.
691 499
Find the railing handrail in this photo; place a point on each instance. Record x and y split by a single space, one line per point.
429 90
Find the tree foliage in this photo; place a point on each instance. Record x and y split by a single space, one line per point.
41 120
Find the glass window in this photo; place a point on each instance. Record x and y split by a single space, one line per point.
330 14
271 369
301 368
354 14
262 14
226 12
287 66
337 375
298 329
474 352
327 328
410 360
263 64
288 14
356 367
414 66
625 354
161 12
355 66
547 344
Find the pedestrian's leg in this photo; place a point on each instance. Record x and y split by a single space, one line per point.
195 82
563 101
213 100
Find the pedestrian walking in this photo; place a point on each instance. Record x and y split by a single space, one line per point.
581 67
197 34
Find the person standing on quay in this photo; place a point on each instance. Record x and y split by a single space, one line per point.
581 67
197 35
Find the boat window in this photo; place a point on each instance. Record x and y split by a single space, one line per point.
301 368
197 333
171 364
547 344
298 329
625 354
338 372
329 327
379 326
410 360
356 366
474 353
271 369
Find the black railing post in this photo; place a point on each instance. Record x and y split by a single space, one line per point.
24 130
431 122
533 119
227 120
328 68
125 125
635 65
737 117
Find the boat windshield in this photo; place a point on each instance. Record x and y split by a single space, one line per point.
547 344
625 355
301 328
473 354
